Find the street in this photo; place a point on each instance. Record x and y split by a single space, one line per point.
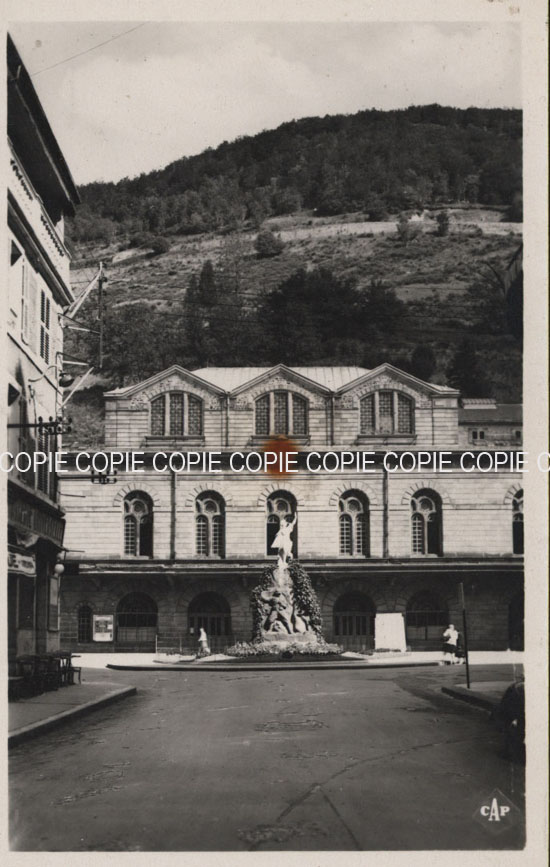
268 760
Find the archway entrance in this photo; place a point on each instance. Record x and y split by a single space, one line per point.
136 622
353 621
211 612
426 620
516 622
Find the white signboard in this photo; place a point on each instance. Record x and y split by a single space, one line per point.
389 632
25 564
103 627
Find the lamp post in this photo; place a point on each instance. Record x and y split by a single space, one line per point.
465 631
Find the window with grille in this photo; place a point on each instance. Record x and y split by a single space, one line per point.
138 525
84 624
426 523
281 413
211 612
210 525
353 616
194 416
404 414
262 415
386 412
426 618
45 311
353 521
517 523
176 414
367 414
158 415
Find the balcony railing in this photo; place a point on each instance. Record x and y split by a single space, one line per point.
31 205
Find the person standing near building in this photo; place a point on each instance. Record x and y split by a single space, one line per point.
450 641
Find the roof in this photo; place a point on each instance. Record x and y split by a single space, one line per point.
499 413
31 134
230 378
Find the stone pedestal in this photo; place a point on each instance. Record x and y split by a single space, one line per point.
389 632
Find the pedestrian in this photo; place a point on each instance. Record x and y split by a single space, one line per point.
450 641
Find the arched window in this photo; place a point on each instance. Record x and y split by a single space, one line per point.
386 412
353 615
280 506
210 525
176 414
138 525
85 618
136 621
354 524
426 523
211 612
517 523
281 412
427 617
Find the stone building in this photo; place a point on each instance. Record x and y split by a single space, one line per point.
41 193
153 555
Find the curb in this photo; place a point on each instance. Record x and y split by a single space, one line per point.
476 699
272 666
18 736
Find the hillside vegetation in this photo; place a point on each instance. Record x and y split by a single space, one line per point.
278 267
375 162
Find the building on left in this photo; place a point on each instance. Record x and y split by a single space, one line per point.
41 194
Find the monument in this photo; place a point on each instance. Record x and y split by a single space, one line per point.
284 604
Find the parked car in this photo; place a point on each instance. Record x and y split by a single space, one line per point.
510 717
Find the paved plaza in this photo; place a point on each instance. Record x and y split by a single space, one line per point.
268 760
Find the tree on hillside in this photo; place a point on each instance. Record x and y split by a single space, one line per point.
423 362
443 223
381 310
466 373
268 244
407 230
308 316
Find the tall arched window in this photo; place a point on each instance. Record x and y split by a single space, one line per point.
517 523
85 618
426 619
176 414
138 525
280 506
210 525
354 524
386 412
281 412
426 523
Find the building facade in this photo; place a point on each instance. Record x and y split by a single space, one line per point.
155 554
41 193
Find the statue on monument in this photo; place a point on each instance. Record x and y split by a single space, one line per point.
283 542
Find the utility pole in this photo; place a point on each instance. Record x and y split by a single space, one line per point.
100 282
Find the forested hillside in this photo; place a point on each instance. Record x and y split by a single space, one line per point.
373 162
336 240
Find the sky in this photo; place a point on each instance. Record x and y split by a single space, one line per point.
158 91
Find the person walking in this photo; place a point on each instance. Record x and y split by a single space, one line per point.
450 641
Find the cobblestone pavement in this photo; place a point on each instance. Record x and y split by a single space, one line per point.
274 760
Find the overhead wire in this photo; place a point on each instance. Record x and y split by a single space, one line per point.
87 50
